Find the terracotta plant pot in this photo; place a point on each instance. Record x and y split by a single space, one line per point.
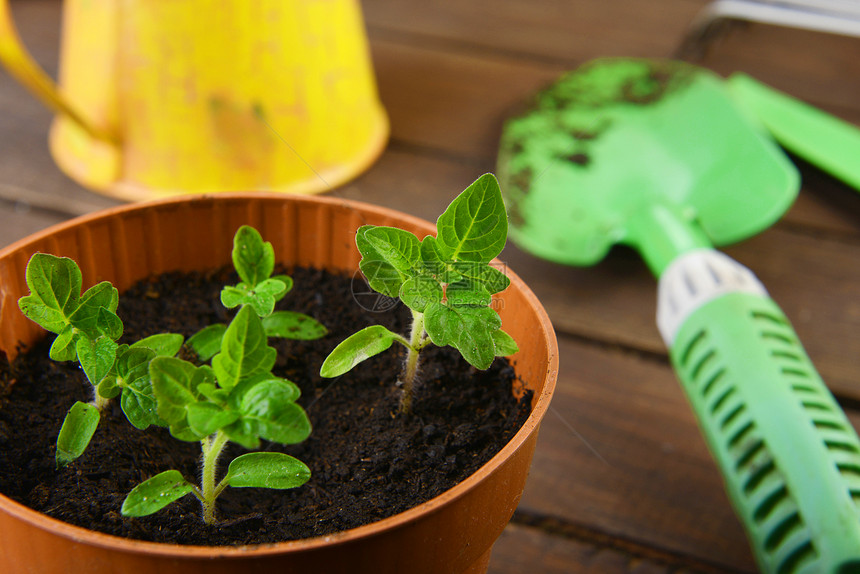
452 533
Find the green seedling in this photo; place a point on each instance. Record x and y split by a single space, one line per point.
87 329
446 281
236 398
254 261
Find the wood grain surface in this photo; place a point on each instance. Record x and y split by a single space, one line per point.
622 481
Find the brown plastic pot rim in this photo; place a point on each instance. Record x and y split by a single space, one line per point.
539 409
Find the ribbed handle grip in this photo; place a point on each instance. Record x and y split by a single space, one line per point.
789 456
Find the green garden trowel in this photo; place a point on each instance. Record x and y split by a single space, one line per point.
656 155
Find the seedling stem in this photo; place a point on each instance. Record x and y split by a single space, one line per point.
212 447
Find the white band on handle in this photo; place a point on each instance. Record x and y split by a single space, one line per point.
692 280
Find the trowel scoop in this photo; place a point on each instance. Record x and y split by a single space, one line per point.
656 155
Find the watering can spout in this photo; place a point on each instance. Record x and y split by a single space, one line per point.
97 142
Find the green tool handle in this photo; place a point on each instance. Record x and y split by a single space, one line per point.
820 138
789 456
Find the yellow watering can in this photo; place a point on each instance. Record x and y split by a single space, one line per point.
166 97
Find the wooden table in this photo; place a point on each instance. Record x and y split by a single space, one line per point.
622 480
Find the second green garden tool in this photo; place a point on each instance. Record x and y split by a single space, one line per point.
656 155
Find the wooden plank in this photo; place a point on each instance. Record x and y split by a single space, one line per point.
453 102
414 183
568 31
825 205
820 68
18 220
522 549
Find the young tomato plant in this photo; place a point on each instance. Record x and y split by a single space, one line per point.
254 261
446 281
236 398
87 329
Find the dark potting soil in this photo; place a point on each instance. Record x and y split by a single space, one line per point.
367 461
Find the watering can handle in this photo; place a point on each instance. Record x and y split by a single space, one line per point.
789 457
24 68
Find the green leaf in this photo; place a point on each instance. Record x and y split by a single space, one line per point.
78 428
397 247
139 404
419 291
101 298
207 341
487 276
132 374
213 393
269 404
233 296
63 347
253 258
108 324
244 351
504 343
55 288
154 494
133 364
381 275
467 329
206 418
356 348
270 287
474 227
96 357
181 431
267 470
287 391
292 325
432 264
289 425
101 295
243 432
262 298
174 384
466 293
108 388
288 285
164 344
